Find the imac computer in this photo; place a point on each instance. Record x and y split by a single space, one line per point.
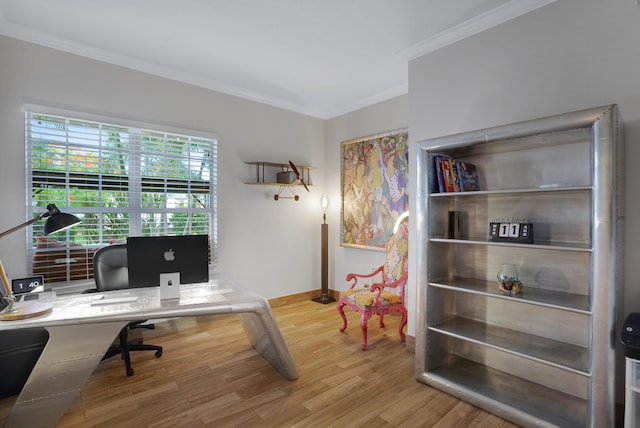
150 256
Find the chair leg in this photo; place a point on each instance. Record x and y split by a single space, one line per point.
381 321
403 323
344 318
145 347
124 346
147 326
114 350
364 319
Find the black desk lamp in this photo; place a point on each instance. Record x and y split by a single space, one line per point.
56 221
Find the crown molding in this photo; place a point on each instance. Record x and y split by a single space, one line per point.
475 25
489 19
369 101
44 39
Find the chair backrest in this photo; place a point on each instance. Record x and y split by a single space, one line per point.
110 268
397 248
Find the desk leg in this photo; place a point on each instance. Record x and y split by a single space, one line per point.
67 361
265 336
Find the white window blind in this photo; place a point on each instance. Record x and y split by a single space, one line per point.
120 181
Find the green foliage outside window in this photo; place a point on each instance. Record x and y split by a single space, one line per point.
105 174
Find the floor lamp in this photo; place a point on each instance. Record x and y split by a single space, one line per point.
324 297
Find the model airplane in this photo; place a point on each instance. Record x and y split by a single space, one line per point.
297 180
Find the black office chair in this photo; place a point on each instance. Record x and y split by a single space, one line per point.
111 272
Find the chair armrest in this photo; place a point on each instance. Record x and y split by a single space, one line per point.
354 276
380 286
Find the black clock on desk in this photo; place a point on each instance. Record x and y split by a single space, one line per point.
26 285
521 233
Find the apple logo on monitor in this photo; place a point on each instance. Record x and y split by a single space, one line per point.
169 256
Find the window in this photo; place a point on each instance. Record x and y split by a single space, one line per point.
120 181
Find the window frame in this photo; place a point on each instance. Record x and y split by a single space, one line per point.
134 227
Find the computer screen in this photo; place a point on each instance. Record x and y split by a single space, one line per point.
149 256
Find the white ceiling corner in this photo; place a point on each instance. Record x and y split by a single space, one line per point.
322 59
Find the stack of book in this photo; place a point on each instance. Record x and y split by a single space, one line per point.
455 175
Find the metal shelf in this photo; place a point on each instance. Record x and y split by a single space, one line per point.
546 351
554 246
506 192
536 296
526 403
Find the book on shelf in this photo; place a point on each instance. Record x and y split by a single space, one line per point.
455 175
444 172
437 160
467 176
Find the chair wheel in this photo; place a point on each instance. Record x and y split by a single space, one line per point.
159 353
130 372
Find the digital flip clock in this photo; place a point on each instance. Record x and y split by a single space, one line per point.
26 285
521 233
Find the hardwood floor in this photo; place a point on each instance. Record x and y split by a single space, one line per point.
210 376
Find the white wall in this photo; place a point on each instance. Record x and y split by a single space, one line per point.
569 55
269 247
382 117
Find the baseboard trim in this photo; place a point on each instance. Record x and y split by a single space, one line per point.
410 343
298 297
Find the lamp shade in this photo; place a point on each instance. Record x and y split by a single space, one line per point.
58 221
324 202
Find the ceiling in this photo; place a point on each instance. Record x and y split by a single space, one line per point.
322 58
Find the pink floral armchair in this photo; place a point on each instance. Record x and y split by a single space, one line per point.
383 297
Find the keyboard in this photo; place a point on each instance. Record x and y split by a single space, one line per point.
114 301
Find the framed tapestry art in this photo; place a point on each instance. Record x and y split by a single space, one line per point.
374 188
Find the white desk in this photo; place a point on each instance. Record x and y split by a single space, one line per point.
81 329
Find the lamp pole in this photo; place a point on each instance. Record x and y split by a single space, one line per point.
324 231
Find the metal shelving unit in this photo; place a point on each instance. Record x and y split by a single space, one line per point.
544 357
632 393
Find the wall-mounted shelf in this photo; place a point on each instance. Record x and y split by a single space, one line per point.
283 176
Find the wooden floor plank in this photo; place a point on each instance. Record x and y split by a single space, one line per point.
210 376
